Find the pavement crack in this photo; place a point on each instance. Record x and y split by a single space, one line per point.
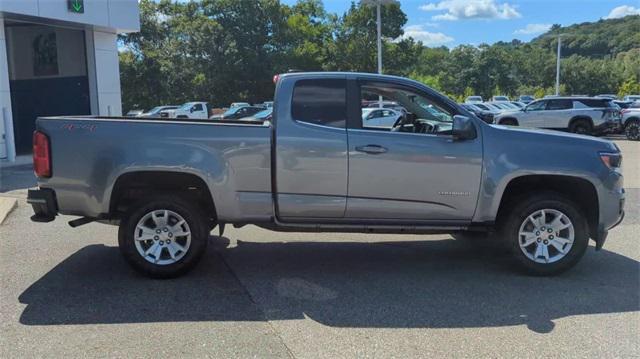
255 303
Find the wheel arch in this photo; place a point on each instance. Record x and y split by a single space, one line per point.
577 118
631 119
580 190
133 186
502 120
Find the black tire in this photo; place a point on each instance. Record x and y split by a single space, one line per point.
509 122
581 127
527 206
632 130
193 218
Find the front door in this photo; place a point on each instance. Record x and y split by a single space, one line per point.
414 171
533 115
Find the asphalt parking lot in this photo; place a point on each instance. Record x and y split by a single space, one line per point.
67 292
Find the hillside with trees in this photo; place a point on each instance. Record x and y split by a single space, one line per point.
223 51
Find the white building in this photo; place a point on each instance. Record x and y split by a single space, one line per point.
58 57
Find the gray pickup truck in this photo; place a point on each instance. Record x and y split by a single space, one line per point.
317 166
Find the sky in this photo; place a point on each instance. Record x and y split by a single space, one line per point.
455 22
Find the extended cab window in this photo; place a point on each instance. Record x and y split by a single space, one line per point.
197 107
389 107
320 101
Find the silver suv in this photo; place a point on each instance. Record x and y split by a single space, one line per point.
584 115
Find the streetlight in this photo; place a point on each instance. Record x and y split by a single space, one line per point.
377 4
558 65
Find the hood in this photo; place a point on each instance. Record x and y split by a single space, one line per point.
537 134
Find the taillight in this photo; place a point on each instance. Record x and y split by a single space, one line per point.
41 155
611 159
276 78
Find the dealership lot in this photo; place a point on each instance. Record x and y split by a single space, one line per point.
66 292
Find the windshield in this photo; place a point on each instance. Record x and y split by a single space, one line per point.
186 106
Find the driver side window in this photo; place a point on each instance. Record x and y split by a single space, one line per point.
536 106
390 107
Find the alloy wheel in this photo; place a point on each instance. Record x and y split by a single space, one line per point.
546 236
162 237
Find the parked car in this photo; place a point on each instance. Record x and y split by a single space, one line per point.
504 106
631 98
473 99
623 104
584 115
484 115
609 96
236 113
500 98
525 99
487 107
239 104
134 113
316 168
267 104
631 122
193 110
375 117
518 104
385 104
264 115
155 112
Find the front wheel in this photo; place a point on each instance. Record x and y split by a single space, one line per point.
163 237
547 233
632 130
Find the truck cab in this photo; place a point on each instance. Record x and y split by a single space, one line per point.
195 110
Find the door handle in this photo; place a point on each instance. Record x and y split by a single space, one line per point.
371 149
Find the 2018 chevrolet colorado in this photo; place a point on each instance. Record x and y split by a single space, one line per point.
318 166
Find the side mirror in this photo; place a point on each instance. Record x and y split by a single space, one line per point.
463 128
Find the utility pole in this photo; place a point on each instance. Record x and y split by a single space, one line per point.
558 66
379 25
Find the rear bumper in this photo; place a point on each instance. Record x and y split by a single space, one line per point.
608 127
43 202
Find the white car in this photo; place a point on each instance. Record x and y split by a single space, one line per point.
631 98
195 110
239 104
500 98
375 117
473 99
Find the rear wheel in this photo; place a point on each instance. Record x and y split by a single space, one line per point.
163 237
547 233
632 130
582 127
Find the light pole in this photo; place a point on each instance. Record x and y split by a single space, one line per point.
378 4
558 66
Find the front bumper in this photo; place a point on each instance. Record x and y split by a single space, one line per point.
43 202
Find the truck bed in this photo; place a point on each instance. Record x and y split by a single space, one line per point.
90 153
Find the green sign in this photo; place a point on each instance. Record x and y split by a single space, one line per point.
76 6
